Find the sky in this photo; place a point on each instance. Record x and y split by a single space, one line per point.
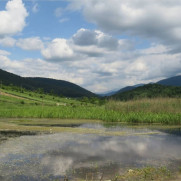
101 45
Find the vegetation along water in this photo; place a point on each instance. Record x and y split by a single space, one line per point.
48 137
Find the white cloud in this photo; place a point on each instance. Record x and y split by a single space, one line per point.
13 18
99 64
153 19
7 41
3 52
10 65
100 74
58 50
95 59
155 49
85 37
33 43
83 44
98 60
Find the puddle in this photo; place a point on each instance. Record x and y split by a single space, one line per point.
81 156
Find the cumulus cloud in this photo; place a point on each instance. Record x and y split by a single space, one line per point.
103 60
57 50
8 64
112 71
13 18
99 64
33 43
7 41
85 37
3 52
83 44
154 19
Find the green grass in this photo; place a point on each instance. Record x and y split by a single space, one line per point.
154 105
146 174
158 110
85 112
38 97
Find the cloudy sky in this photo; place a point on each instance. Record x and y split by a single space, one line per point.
100 45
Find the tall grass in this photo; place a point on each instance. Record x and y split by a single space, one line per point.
154 105
160 110
157 110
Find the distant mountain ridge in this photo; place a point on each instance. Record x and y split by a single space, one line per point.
110 93
128 88
149 91
68 89
58 87
172 81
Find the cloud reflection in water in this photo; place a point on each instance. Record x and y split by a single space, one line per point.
53 155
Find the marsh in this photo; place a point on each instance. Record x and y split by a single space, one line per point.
79 156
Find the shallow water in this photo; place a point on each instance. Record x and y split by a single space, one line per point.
50 157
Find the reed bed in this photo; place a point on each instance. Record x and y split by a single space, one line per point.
154 105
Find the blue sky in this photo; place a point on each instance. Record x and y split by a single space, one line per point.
100 45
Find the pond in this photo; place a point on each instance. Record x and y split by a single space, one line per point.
83 156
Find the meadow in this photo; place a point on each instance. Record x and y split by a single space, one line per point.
27 104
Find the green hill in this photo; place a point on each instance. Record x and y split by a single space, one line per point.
149 91
172 81
57 87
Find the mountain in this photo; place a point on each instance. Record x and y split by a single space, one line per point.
149 91
57 87
128 88
173 81
121 90
108 93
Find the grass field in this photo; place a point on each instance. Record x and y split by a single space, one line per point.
28 104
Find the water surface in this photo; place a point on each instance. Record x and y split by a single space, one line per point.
54 156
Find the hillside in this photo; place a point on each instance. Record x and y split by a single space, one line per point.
173 81
128 88
149 91
57 87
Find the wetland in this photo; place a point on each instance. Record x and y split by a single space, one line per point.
87 150
46 137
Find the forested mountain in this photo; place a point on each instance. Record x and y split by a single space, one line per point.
149 91
173 81
57 87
